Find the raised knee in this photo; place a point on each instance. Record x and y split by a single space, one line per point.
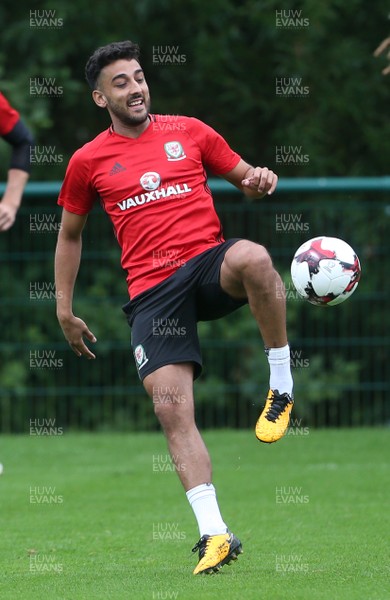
250 255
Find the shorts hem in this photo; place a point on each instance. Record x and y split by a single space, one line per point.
164 363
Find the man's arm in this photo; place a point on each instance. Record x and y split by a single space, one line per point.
9 205
21 141
383 46
254 182
67 262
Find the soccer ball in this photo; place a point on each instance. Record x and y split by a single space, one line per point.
325 271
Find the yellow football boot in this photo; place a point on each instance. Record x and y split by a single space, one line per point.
216 551
273 421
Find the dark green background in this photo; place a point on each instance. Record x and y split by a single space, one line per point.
233 57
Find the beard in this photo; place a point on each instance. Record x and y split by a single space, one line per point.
124 117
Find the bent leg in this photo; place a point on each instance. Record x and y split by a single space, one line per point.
247 271
171 389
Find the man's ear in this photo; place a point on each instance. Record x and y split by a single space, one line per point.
99 98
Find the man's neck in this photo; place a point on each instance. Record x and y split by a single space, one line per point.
131 131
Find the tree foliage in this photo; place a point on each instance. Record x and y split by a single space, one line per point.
234 54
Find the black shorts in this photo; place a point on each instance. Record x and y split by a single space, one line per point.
163 319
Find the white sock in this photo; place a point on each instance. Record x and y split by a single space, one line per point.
204 503
280 369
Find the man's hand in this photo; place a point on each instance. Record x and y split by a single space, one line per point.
7 215
16 181
261 181
74 331
254 182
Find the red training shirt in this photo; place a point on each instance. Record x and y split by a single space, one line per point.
154 189
8 116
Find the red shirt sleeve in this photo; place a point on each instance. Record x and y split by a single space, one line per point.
8 116
77 194
216 152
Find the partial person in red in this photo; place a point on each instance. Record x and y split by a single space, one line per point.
151 181
15 132
384 45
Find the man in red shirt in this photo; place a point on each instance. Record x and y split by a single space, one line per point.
15 132
148 171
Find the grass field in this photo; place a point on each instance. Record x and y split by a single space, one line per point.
103 516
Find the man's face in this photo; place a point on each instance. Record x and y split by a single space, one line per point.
122 89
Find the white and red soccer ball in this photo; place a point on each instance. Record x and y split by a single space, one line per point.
325 271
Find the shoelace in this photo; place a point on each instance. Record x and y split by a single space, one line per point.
201 545
278 404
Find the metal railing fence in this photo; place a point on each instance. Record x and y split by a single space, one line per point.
339 354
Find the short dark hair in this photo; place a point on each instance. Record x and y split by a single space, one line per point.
105 55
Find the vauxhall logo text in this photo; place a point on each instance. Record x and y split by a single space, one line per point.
165 192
